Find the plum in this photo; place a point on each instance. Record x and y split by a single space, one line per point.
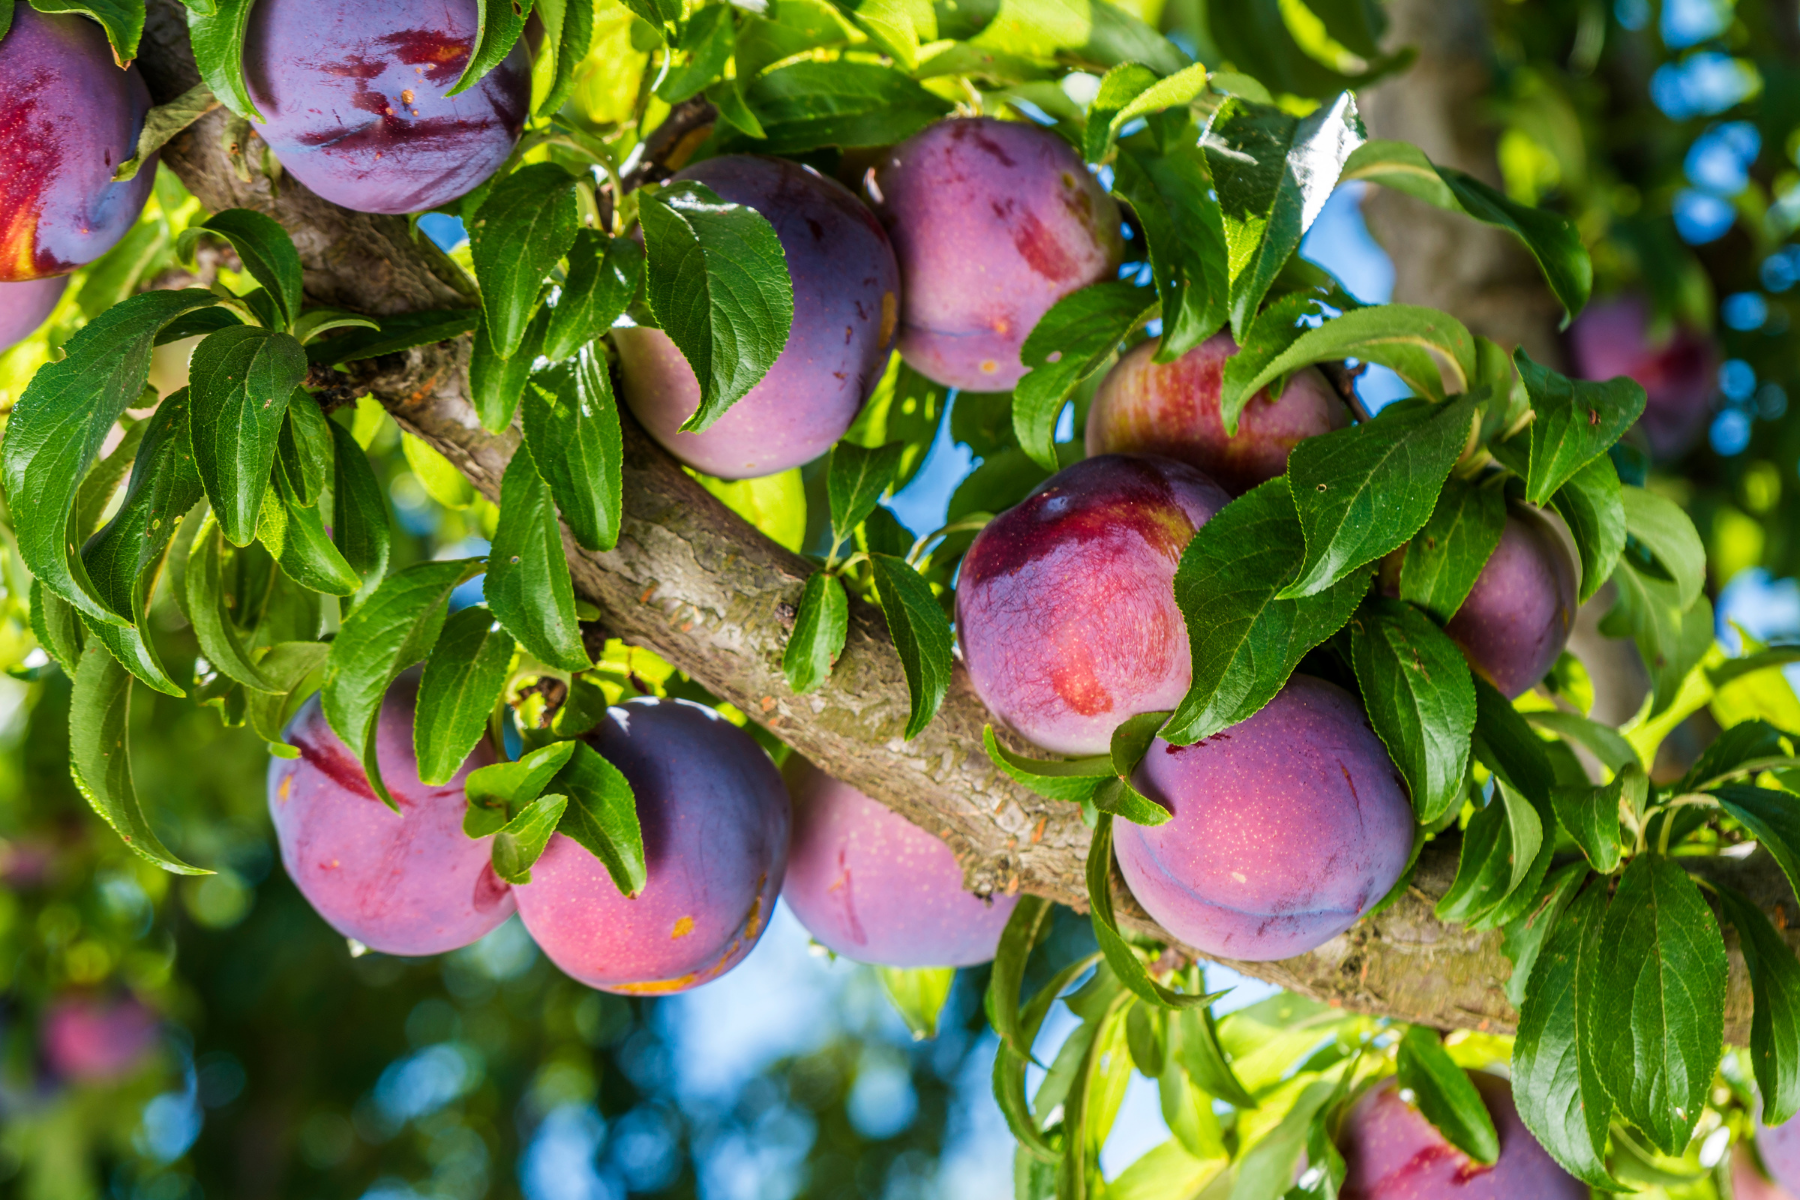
1779 1148
407 883
1066 608
68 117
1678 370
1393 1153
1287 827
1172 409
25 306
1748 1181
715 819
994 222
846 304
92 1040
870 885
1517 617
353 93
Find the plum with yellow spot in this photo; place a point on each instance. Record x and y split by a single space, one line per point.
873 887
1286 828
408 882
846 302
1172 409
1066 607
1516 620
994 222
68 117
715 821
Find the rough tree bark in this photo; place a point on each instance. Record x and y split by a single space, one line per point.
697 585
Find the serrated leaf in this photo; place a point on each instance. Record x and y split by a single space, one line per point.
569 29
1184 232
264 248
218 41
164 485
811 103
161 124
123 21
523 228
359 519
1573 422
1069 343
1132 90
1245 638
918 994
1670 640
521 841
571 423
1602 741
1775 1024
463 681
855 481
1591 815
499 25
1590 504
1738 750
1445 558
206 601
1772 815
1075 779
707 41
57 627
131 646
1445 1095
602 817
528 584
400 332
1668 533
1120 956
717 280
1420 699
295 535
1500 850
921 636
1506 745
821 625
240 382
499 790
1523 938
604 275
287 666
305 449
1363 491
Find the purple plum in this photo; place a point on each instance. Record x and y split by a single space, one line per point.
1517 618
1678 369
1172 409
1779 1148
994 222
1066 607
354 96
715 819
846 302
408 882
870 885
1287 827
25 306
87 1039
1747 1179
1393 1153
68 117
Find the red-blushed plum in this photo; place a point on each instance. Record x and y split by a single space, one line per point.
1172 409
1066 607
870 885
1779 1148
25 306
846 303
715 818
1287 827
994 222
1517 617
1678 368
1393 1153
353 93
1747 1179
408 882
68 117
87 1039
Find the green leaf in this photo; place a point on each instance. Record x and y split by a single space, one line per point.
1602 741
707 41
497 384
207 603
131 645
1445 1095
1363 491
389 631
1420 699
1523 938
1184 232
526 224
1023 931
463 680
857 478
1119 955
305 449
1196 1047
1671 640
921 636
1444 559
1573 421
1505 743
821 626
571 423
359 518
528 584
602 817
1074 779
918 995
603 277
1273 173
161 124
1591 815
898 26
1556 1082
100 755
296 536
102 482
163 486
57 627
1271 1164
1772 815
1660 1001
717 280
499 25
1132 90
1775 1026
287 666
1592 506
241 380
403 331
1069 343
810 103
1500 850
218 41
1245 638
123 21
1738 750
265 249
56 429
499 790
521 841
1668 533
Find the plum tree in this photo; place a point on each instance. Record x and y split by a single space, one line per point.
1065 608
715 822
870 885
1678 369
68 117
354 96
994 222
25 306
1392 1152
92 1039
406 883
1172 409
846 303
1517 617
1287 827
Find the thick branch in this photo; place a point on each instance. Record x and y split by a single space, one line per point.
697 585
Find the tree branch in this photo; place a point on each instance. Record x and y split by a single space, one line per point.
700 587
